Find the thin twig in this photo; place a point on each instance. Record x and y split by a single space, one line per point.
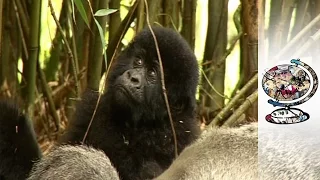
227 53
48 93
237 114
171 20
1 29
75 73
221 115
162 80
212 87
24 44
24 18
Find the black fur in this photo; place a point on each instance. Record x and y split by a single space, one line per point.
136 135
18 145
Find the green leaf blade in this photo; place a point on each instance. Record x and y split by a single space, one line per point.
82 11
105 12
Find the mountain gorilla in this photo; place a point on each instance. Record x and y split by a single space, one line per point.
224 153
74 163
18 144
131 124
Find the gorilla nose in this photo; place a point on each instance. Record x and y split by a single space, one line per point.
134 78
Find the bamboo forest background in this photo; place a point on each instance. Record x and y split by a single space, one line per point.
52 50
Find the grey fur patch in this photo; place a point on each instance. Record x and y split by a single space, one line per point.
289 152
74 163
222 154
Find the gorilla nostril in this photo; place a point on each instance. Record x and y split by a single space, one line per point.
135 80
128 74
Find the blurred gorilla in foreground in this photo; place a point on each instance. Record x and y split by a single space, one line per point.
131 124
222 154
74 163
18 144
289 151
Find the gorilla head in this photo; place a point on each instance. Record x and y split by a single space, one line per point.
135 80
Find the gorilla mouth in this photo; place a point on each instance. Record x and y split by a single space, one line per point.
124 92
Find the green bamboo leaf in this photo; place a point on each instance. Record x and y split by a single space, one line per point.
105 12
100 32
82 11
102 39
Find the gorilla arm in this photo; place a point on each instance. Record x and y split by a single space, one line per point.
78 125
74 163
18 144
219 154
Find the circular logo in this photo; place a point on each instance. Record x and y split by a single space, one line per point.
286 82
289 85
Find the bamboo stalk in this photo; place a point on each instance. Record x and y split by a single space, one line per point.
295 40
33 56
97 51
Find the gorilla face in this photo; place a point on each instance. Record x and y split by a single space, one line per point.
134 83
138 82
136 86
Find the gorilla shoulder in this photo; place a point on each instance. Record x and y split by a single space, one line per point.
18 145
74 163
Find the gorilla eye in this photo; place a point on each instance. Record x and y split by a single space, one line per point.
152 73
138 62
